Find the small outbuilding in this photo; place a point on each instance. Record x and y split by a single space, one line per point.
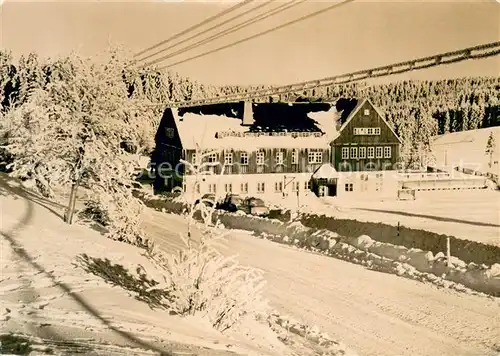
325 180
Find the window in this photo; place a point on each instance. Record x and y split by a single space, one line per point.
198 188
362 152
212 158
367 112
184 187
295 186
367 131
260 168
348 187
169 132
212 188
315 156
244 158
278 187
387 152
244 188
228 187
354 152
279 157
260 158
228 158
228 169
193 158
379 152
260 187
371 152
295 156
345 152
361 131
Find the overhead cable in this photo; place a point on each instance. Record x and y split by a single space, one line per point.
477 52
199 34
276 28
210 19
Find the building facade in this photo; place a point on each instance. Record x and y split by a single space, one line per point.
366 154
237 154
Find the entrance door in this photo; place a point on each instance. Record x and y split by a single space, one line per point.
332 190
323 190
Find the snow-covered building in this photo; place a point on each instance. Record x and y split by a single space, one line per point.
365 153
256 149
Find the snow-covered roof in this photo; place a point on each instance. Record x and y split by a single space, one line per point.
326 171
358 107
196 129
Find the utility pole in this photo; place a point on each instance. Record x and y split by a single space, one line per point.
298 201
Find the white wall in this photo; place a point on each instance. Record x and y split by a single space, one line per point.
378 183
236 180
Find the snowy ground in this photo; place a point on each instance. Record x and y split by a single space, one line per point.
467 214
46 293
374 313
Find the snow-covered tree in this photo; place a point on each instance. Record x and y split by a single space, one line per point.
73 131
490 148
30 75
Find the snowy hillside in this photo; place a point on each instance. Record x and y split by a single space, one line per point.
467 149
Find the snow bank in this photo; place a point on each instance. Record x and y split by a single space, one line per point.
362 249
374 254
467 250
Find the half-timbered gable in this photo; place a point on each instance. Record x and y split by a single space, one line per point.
366 141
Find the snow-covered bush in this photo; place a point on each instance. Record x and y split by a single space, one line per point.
201 281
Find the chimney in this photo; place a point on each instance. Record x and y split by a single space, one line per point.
247 114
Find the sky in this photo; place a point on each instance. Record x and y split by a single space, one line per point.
355 36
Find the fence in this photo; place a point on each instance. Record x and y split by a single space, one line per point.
444 183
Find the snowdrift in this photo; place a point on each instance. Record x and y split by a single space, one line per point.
362 249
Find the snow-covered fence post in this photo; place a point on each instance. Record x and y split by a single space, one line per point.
448 251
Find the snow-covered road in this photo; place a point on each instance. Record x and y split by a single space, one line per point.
374 313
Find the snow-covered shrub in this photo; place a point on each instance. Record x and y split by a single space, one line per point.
201 281
120 213
95 212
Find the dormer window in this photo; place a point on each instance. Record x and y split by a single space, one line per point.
169 132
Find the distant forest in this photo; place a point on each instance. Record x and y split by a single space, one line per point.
417 110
